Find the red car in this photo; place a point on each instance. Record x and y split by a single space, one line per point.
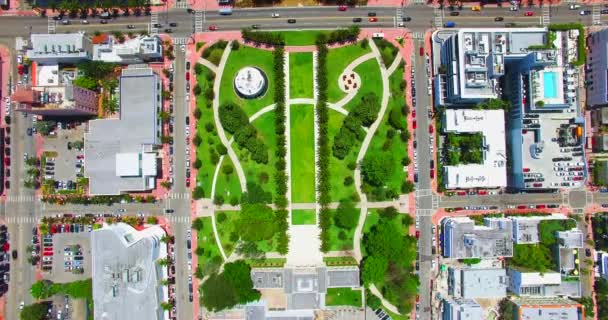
421 51
521 207
7 161
47 253
373 19
540 206
413 113
187 182
432 173
526 170
212 27
529 13
417 298
414 124
417 234
342 8
482 192
430 128
461 193
187 76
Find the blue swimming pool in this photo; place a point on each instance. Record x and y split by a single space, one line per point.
550 84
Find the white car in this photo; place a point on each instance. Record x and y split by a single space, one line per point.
21 305
19 59
514 8
574 6
276 15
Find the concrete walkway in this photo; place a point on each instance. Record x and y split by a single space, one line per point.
394 65
385 303
216 117
312 206
208 64
360 156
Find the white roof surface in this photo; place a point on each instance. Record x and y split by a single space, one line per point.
537 278
127 164
493 171
48 75
148 164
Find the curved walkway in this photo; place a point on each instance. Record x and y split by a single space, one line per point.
362 151
216 117
208 64
394 65
339 106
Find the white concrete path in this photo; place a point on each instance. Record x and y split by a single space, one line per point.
218 125
208 64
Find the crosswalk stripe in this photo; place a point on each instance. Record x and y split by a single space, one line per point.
21 220
179 219
21 198
184 195
180 40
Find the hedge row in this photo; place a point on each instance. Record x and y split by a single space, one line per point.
349 34
236 122
580 41
280 176
322 115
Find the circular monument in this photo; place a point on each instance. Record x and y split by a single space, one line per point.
250 82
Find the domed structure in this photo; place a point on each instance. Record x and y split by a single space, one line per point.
250 82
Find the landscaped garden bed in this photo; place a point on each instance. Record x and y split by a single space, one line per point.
343 297
337 60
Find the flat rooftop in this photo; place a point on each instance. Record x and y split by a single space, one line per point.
493 171
126 276
540 146
464 239
135 131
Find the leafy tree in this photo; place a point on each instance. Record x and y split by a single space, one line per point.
373 269
45 127
198 192
385 240
249 249
389 213
255 194
152 220
532 256
34 311
197 224
238 274
229 288
256 222
376 169
347 215
96 69
86 82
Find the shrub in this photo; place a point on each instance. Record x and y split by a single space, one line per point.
221 217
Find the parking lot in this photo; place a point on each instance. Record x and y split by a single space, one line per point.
71 251
68 164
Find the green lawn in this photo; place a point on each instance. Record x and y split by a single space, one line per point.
339 168
227 227
343 297
300 75
228 185
211 255
391 147
209 139
253 170
337 60
371 81
338 244
302 153
303 217
248 57
302 38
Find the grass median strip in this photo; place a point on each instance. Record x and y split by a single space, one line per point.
302 153
300 75
300 217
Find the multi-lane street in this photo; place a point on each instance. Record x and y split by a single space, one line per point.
180 206
422 17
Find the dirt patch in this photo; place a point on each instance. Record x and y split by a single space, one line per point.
78 309
275 298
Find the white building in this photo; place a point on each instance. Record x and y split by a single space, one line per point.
127 278
60 48
136 50
493 171
525 228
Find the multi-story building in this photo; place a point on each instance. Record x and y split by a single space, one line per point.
67 48
473 283
544 121
127 278
492 172
547 308
597 69
125 160
459 308
547 284
68 100
463 239
525 228
136 50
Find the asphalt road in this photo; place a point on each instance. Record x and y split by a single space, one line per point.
306 17
424 203
180 205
